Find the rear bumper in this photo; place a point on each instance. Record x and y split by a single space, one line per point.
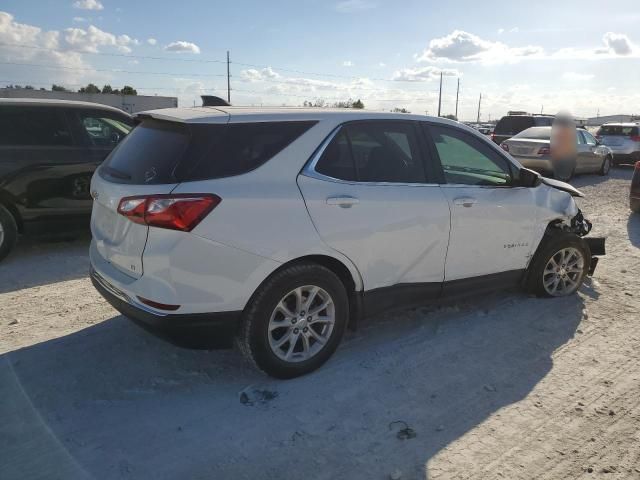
539 165
196 330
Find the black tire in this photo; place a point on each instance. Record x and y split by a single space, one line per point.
8 232
606 166
253 338
565 177
552 243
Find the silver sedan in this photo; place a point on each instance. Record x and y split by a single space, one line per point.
532 148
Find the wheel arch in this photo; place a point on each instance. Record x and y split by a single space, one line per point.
6 202
348 275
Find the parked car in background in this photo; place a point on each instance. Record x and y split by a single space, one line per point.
623 139
511 125
49 150
634 192
532 148
278 227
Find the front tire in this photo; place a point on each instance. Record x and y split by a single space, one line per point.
295 321
8 232
559 266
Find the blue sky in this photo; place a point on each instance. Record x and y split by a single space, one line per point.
525 56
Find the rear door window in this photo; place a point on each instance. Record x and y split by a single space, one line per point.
34 126
378 152
543 121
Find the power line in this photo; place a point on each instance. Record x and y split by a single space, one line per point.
200 60
108 54
61 67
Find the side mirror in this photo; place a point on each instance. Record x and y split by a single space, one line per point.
528 178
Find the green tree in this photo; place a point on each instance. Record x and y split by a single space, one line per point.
29 87
58 88
127 90
91 88
450 117
400 110
357 104
107 89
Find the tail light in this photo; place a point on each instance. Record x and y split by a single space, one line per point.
505 147
175 212
635 138
544 151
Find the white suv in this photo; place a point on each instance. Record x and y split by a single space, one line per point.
281 227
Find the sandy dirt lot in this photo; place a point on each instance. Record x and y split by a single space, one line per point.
505 386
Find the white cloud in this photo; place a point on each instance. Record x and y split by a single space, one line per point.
348 6
500 31
618 43
577 77
151 41
347 63
514 30
461 46
182 47
253 75
91 39
88 5
382 64
422 74
80 19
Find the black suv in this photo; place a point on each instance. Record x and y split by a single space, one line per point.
49 150
511 125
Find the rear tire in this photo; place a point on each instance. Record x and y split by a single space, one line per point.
8 232
606 166
295 321
565 176
559 266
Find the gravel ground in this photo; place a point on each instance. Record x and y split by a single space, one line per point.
503 386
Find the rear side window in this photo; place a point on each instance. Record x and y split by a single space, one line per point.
537 133
618 130
385 152
511 125
34 126
239 148
157 152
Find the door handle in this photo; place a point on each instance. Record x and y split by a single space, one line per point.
344 201
465 201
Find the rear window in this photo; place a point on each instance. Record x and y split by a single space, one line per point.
536 133
157 152
543 121
511 125
618 130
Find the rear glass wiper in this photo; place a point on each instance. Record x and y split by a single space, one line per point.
116 173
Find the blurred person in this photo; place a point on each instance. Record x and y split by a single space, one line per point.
563 146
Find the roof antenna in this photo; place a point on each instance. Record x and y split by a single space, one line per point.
213 101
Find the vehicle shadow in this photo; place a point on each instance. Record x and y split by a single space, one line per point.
111 401
41 260
621 172
633 228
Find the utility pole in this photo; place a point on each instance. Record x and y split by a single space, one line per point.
228 80
479 102
440 95
457 93
541 109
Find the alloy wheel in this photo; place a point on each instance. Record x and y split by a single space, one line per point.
301 323
563 272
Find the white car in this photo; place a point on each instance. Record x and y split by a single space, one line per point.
281 227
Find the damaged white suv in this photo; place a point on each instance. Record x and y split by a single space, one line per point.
281 227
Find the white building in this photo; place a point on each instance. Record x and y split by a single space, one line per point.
128 103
